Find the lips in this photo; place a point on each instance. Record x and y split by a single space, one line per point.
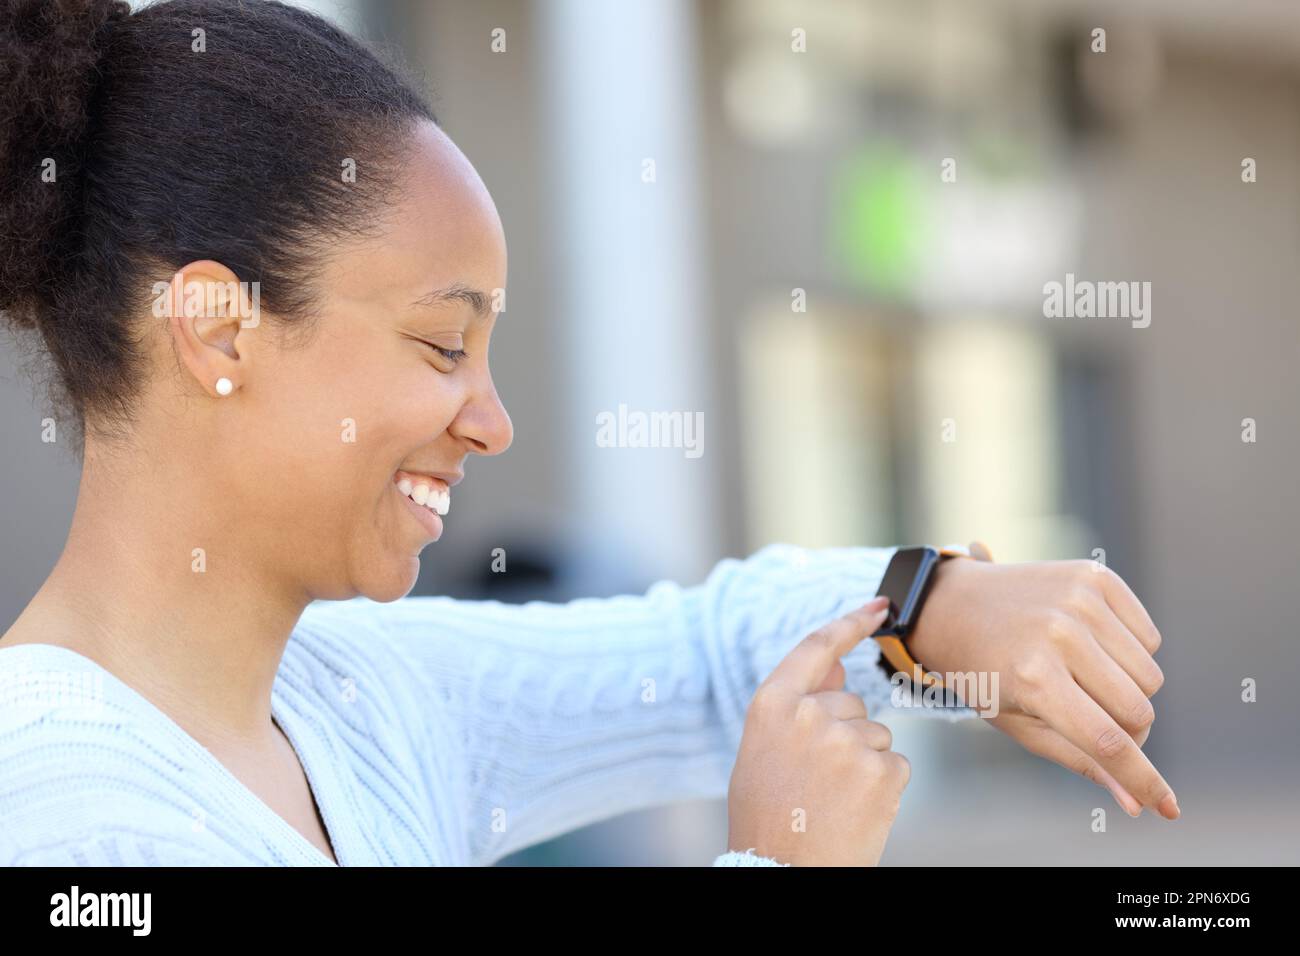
429 521
427 494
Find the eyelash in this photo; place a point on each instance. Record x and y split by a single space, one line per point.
452 355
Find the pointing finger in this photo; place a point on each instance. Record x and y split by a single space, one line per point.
805 668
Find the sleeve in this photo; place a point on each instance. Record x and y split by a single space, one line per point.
747 858
563 715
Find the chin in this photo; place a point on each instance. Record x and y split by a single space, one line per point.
396 582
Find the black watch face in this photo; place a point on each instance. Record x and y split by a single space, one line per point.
904 584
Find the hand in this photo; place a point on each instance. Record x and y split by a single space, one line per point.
1072 647
808 745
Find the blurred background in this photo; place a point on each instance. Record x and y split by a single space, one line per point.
824 227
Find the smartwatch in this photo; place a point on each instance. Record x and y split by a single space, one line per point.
906 583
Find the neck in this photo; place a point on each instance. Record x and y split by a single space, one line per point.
159 586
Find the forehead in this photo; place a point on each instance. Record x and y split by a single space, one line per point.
440 228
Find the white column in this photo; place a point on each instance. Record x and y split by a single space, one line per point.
619 89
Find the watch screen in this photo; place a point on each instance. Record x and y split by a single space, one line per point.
904 583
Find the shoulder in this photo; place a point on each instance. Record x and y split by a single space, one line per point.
117 845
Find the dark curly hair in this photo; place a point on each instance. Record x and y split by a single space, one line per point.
134 143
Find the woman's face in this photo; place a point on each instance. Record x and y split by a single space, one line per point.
326 429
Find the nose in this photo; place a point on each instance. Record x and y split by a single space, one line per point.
484 423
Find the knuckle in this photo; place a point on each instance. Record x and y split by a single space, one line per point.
871 768
1155 639
1061 630
1083 570
883 735
821 637
1031 669
807 713
838 749
1030 697
1141 714
900 767
1112 742
1082 592
845 702
1156 681
842 736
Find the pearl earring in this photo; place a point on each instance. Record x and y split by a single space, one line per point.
224 386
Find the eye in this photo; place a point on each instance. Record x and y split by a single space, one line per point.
452 355
455 355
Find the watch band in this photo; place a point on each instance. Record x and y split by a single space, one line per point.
893 650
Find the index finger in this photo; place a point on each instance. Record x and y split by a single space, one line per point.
805 667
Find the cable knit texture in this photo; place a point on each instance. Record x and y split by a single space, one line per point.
433 731
747 858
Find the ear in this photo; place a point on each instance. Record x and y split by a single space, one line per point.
205 308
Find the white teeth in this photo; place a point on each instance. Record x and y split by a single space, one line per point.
437 500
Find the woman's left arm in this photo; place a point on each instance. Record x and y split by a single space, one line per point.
568 714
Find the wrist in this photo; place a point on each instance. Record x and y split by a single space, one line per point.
932 638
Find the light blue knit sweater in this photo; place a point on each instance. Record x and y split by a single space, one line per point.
432 730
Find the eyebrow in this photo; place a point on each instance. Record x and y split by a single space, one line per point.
458 292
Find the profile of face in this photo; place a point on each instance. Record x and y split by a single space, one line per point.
301 462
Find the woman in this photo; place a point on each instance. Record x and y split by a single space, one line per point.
267 281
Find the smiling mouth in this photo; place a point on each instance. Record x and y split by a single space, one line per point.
424 491
429 520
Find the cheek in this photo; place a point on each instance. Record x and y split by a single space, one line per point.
410 426
378 383
413 406
350 392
